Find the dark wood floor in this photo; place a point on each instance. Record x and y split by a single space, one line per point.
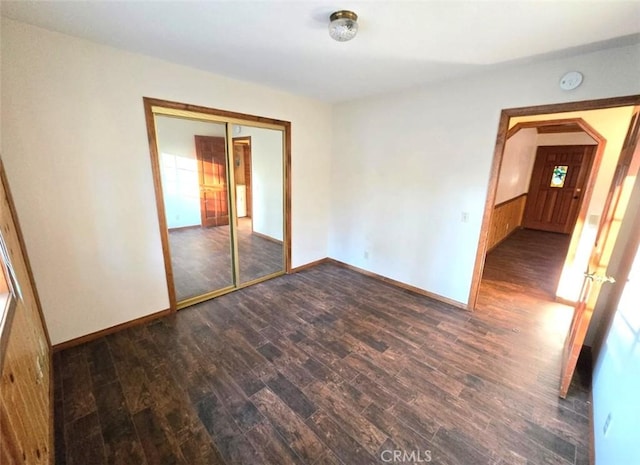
201 258
529 261
326 367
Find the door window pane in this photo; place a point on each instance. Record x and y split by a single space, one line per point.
558 176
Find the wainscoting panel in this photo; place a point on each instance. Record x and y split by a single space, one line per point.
507 217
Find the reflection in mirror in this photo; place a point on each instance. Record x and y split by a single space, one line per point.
258 172
193 171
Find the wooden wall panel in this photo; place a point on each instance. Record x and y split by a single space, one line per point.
506 218
26 427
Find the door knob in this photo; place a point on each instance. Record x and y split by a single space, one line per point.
599 278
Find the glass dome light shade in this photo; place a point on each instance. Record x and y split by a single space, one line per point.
343 25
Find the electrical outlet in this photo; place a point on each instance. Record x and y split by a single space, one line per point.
366 255
464 217
607 424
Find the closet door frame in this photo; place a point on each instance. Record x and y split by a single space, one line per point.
153 107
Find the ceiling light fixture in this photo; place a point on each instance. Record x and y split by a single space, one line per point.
343 25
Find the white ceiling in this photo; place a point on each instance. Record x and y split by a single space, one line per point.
285 44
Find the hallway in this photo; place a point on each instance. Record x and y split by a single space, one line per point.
528 261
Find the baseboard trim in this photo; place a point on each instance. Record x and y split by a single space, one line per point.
564 301
113 329
309 265
182 228
145 319
266 238
399 284
517 228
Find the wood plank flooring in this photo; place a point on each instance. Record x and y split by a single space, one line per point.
326 367
529 261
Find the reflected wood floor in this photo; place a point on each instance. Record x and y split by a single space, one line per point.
201 258
325 366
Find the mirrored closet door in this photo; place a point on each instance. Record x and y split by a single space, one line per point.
257 154
221 185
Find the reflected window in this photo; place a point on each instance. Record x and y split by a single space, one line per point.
559 175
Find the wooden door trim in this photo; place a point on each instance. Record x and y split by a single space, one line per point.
584 126
233 117
498 154
622 275
246 140
157 186
23 247
287 197
618 198
36 298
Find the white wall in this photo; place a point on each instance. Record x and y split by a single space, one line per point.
517 164
266 180
407 165
179 167
616 377
76 154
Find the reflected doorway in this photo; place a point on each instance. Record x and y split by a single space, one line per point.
259 165
193 175
221 189
242 160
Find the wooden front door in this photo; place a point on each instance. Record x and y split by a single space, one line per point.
26 420
557 187
212 178
612 213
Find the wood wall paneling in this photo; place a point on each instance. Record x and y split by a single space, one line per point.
26 428
506 218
